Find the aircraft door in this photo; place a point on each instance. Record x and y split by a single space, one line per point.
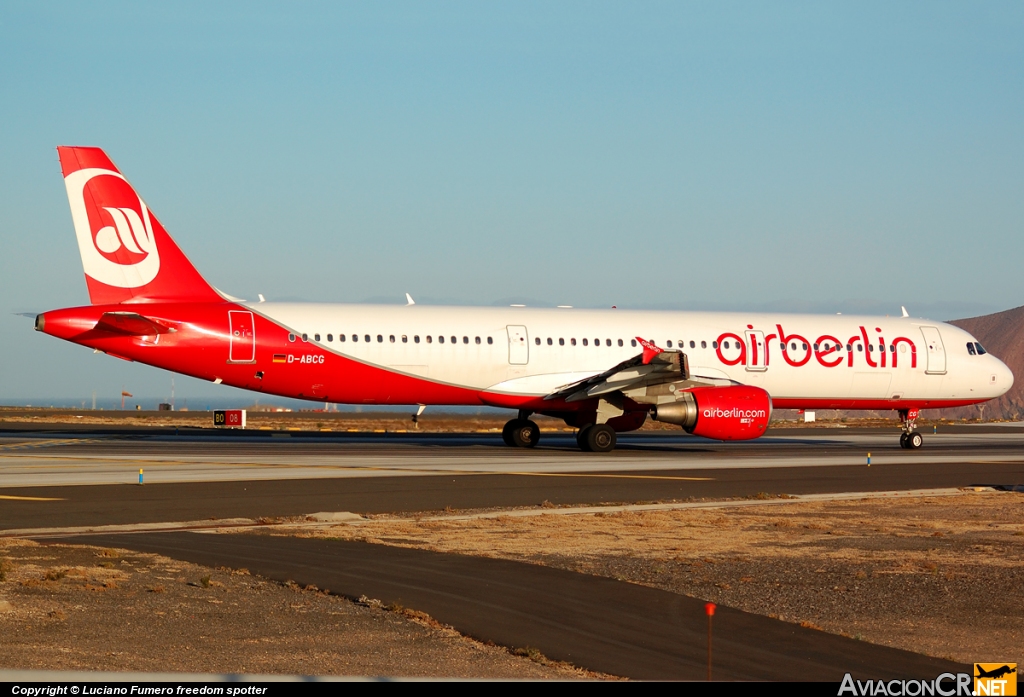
935 352
242 337
757 355
518 345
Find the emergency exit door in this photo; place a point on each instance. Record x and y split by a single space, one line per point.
242 337
518 345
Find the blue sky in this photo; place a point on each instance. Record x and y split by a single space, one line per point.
792 156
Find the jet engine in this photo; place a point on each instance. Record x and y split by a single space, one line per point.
734 412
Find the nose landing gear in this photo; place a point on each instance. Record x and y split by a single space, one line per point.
910 439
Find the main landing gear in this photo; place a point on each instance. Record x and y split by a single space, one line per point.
521 432
596 438
910 439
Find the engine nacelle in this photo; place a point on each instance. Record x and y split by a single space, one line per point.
735 412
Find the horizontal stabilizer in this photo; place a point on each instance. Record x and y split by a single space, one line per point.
131 324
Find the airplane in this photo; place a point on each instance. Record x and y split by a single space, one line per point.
603 371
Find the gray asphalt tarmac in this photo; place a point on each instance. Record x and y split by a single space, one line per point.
197 478
598 623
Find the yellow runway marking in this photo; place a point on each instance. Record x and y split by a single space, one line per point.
608 476
28 498
28 444
349 468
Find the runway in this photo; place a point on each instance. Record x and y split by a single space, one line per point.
84 478
64 480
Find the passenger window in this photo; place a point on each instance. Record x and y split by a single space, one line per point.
465 339
366 338
455 340
693 344
316 337
714 344
892 348
561 342
970 349
669 343
704 344
291 337
429 339
342 337
860 347
550 341
572 341
597 342
981 349
792 345
305 337
416 339
405 339
607 342
815 347
330 337
380 339
849 348
584 342
804 346
620 342
440 339
391 338
537 341
478 340
355 337
871 348
490 340
632 342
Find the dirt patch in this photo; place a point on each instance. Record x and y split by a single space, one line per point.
942 576
85 608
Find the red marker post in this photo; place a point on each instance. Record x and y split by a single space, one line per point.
709 608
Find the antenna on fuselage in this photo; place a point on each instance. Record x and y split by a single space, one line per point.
904 311
409 300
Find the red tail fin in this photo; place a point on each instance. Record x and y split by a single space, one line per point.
127 254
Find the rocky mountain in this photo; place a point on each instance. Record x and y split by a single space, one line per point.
1002 334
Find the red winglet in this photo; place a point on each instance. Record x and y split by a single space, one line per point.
650 350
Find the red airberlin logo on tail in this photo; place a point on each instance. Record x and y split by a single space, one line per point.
113 227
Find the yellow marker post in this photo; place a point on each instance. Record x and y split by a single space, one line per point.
869 459
140 477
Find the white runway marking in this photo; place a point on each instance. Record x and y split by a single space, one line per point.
46 466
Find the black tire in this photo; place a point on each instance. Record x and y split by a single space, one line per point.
903 441
526 434
915 440
506 432
581 438
601 438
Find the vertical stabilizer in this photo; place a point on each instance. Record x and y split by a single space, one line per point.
127 255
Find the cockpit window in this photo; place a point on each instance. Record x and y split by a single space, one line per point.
981 349
970 348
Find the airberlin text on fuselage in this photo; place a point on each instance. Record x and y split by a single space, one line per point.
827 350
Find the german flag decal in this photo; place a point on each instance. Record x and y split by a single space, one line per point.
280 358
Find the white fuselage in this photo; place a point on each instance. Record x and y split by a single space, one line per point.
840 361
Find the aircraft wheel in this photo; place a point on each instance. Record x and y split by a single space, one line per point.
506 432
525 434
903 441
601 438
914 441
581 438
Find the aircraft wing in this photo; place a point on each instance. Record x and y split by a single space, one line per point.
131 323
